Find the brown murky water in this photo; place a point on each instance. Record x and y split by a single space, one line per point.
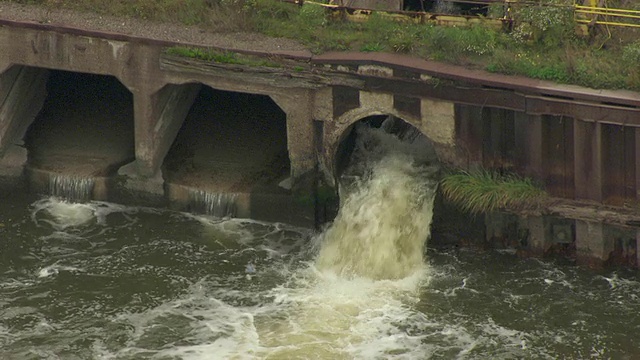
103 281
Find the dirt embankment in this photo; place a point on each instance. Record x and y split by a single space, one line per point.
153 30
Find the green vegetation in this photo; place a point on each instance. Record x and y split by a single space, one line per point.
541 43
483 191
222 57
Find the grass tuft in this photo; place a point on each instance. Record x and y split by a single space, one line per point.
222 57
483 191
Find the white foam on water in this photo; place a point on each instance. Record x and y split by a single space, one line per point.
356 300
326 316
55 269
196 326
63 215
315 315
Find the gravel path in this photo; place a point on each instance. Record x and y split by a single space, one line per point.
160 31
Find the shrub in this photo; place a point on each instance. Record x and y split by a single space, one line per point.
549 24
631 54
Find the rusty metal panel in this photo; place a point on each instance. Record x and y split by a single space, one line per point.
468 122
498 138
439 90
613 177
528 145
588 160
488 97
629 166
558 155
569 158
618 145
609 114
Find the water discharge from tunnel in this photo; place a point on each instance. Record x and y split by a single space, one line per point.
369 266
384 220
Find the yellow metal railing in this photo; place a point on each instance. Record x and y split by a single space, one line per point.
593 14
587 12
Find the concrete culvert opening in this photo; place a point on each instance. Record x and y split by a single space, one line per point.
230 142
85 128
408 140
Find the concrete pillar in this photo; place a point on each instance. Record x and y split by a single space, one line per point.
588 160
23 91
298 105
592 247
538 240
469 134
438 123
158 119
501 230
528 152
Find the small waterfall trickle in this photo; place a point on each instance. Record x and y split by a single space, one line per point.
72 188
215 204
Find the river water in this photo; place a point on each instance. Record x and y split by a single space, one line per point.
98 280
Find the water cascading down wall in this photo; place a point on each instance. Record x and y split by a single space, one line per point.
83 133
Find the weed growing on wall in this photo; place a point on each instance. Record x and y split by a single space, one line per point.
485 191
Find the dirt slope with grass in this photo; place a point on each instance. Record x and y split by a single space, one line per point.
153 30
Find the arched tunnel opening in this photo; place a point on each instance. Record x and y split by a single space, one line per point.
411 139
230 142
85 127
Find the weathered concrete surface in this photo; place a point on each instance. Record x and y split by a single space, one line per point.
22 94
539 242
588 160
168 107
593 248
301 138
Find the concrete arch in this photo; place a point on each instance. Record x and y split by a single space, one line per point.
343 125
86 124
223 141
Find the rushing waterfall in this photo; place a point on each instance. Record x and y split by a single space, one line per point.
71 187
215 204
384 220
